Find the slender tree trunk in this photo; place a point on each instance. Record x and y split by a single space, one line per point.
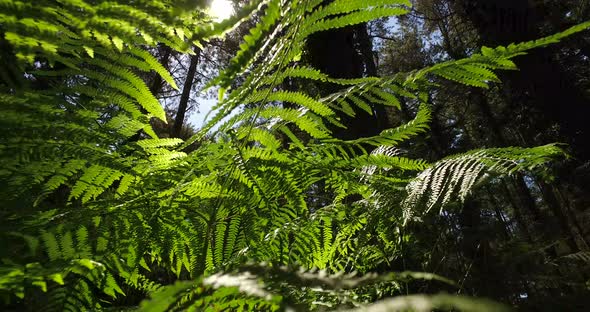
496 139
566 204
185 96
366 51
341 53
560 214
157 82
499 214
520 221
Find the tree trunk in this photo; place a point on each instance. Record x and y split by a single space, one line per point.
366 51
185 96
156 83
342 53
560 213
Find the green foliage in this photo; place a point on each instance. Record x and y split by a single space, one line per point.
460 173
477 69
254 282
99 209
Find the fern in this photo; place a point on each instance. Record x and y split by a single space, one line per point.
476 70
285 48
247 282
459 173
582 256
116 208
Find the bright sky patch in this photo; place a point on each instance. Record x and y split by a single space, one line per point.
221 10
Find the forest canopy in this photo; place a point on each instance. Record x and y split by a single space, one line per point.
375 155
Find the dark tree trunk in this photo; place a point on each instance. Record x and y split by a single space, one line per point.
365 47
561 214
185 96
344 53
157 81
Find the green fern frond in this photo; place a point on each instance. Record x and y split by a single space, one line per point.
252 42
343 6
582 256
52 246
475 70
291 97
388 137
395 135
290 44
458 174
247 282
352 18
93 182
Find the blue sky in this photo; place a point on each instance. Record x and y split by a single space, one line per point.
197 117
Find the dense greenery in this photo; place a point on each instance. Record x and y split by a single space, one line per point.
263 210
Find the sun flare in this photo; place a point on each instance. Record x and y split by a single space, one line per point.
221 10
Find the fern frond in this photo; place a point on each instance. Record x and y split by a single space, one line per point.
247 282
476 70
291 97
459 173
252 42
582 256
